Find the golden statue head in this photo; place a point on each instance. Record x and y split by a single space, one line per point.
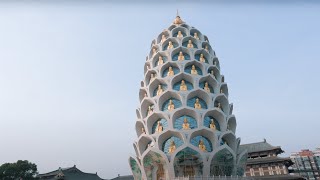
180 53
193 67
159 86
163 36
212 72
170 101
201 142
190 42
206 84
160 57
159 123
182 81
179 32
201 55
170 43
185 120
170 68
172 143
197 100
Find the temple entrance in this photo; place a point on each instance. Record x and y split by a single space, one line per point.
188 171
160 172
188 163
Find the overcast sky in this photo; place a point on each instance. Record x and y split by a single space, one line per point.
70 75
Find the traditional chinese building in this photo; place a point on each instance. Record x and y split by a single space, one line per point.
307 163
71 173
185 125
264 163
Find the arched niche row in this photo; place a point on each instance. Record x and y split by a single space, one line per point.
160 125
157 87
222 163
202 56
180 54
208 84
135 168
159 59
155 166
142 94
198 99
224 89
171 144
232 124
140 129
189 42
188 163
153 51
206 46
214 72
211 123
170 44
221 102
202 142
185 122
169 101
147 108
144 143
194 68
169 69
163 36
196 34
183 32
150 76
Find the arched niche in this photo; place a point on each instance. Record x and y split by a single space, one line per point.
165 44
232 123
205 54
139 126
206 136
135 168
165 99
230 139
144 143
224 103
165 33
145 110
176 81
172 27
212 83
150 76
192 31
162 122
185 42
207 123
224 89
185 26
153 120
154 87
165 69
147 67
203 97
183 30
142 94
175 54
155 59
154 49
176 138
155 165
206 46
188 163
218 117
189 115
222 163
214 72
198 67
206 38
215 62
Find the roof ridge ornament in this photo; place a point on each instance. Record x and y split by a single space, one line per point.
178 20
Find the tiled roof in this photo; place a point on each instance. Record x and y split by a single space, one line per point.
129 177
258 147
71 173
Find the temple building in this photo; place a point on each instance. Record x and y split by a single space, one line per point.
306 163
185 126
264 163
71 173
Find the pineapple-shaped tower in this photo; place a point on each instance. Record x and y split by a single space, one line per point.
185 125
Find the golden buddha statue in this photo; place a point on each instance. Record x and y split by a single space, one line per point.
219 106
195 35
150 110
183 86
143 131
163 38
221 91
160 60
170 71
181 56
197 104
145 95
172 147
170 45
179 35
206 48
171 105
160 90
206 87
212 125
212 73
185 125
152 76
159 127
154 51
193 70
190 45
202 59
201 145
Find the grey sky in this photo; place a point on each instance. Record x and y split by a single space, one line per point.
70 75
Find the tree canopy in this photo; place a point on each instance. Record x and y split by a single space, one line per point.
20 170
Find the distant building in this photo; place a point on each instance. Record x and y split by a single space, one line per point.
263 162
307 163
71 173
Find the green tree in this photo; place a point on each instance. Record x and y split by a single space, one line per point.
20 170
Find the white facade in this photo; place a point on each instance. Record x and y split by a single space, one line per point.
176 134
